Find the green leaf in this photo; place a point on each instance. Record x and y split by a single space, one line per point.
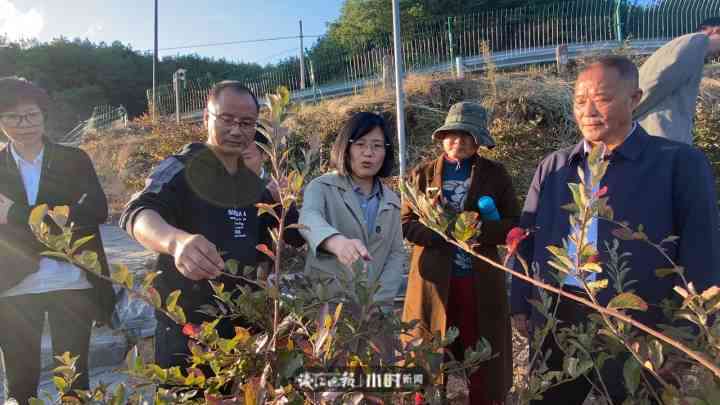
465 226
81 242
37 215
89 260
623 233
670 239
655 354
598 285
217 287
130 281
119 273
60 383
628 301
290 363
577 196
267 209
561 255
154 297
119 395
451 334
559 266
295 182
631 373
664 272
591 267
570 366
179 316
149 279
601 359
172 299
133 360
232 266
227 345
56 255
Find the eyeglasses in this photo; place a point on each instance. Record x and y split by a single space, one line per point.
372 147
15 120
228 121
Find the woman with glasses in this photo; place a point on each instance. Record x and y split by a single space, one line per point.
35 171
350 217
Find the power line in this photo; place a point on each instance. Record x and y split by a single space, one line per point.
279 54
247 41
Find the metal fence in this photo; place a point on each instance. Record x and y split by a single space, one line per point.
103 117
507 33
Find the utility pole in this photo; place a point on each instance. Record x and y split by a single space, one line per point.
619 9
302 59
399 93
451 41
178 80
155 58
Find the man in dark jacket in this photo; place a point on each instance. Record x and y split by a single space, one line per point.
666 186
197 204
35 171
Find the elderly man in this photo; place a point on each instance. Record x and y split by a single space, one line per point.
670 81
666 186
197 204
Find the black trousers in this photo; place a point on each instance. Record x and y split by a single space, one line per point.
575 392
70 314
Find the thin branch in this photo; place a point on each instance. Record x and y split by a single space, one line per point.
705 362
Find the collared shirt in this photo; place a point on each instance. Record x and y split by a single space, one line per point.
52 275
369 204
592 235
666 186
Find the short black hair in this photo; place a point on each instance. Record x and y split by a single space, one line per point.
233 85
359 125
624 66
15 90
709 23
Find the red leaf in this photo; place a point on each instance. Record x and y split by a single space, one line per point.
622 234
513 239
191 330
212 399
419 400
265 250
601 193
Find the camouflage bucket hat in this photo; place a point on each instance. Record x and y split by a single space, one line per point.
471 118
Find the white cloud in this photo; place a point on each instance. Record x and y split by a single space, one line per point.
16 24
92 31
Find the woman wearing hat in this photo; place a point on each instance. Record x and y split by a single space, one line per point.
446 286
350 215
35 171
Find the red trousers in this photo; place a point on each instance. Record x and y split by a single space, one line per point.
462 313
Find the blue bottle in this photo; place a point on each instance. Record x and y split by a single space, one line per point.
487 208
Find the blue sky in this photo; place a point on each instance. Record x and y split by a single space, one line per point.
182 23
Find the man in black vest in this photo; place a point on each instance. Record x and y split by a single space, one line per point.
198 203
